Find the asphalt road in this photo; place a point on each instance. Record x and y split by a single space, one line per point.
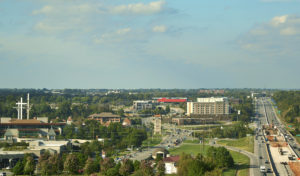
260 149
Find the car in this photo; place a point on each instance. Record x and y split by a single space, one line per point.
269 170
3 174
266 162
260 157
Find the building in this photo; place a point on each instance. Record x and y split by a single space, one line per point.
56 146
171 164
126 122
69 120
106 118
160 152
209 106
157 125
142 104
170 100
31 128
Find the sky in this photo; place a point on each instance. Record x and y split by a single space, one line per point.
149 44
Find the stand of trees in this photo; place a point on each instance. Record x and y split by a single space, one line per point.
115 135
73 164
214 163
237 130
288 102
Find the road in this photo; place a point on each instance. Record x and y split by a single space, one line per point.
260 149
174 134
272 117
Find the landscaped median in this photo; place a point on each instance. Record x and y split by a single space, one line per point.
245 143
242 162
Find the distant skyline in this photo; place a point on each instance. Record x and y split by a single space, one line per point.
149 44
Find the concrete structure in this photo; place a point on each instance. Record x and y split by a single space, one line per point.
171 164
51 135
160 151
209 106
105 118
41 145
142 104
157 125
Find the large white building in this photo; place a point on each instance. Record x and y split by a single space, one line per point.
209 106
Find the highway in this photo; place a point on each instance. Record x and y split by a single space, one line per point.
260 149
273 119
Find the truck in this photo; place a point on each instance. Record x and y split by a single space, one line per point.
263 169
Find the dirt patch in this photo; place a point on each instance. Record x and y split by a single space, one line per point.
295 166
278 144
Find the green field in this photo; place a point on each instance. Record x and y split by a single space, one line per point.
193 149
246 143
242 162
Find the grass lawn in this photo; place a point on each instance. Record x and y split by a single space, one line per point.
245 143
242 162
193 149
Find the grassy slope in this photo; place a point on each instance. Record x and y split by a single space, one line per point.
246 143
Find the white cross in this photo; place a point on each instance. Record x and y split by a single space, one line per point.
20 108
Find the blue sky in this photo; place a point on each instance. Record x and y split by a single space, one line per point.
149 44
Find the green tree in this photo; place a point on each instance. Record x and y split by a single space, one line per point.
19 168
126 168
136 165
29 166
71 164
146 168
106 164
160 168
168 109
91 166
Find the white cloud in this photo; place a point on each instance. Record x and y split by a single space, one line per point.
160 28
115 36
45 10
289 31
279 20
123 31
278 37
139 8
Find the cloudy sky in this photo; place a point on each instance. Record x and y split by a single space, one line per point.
149 44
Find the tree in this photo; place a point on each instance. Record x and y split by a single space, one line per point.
168 109
112 172
91 166
106 164
29 166
19 167
126 168
146 168
71 164
50 164
136 165
160 168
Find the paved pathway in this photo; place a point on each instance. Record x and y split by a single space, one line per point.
253 158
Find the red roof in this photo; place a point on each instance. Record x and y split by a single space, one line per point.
170 100
172 159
